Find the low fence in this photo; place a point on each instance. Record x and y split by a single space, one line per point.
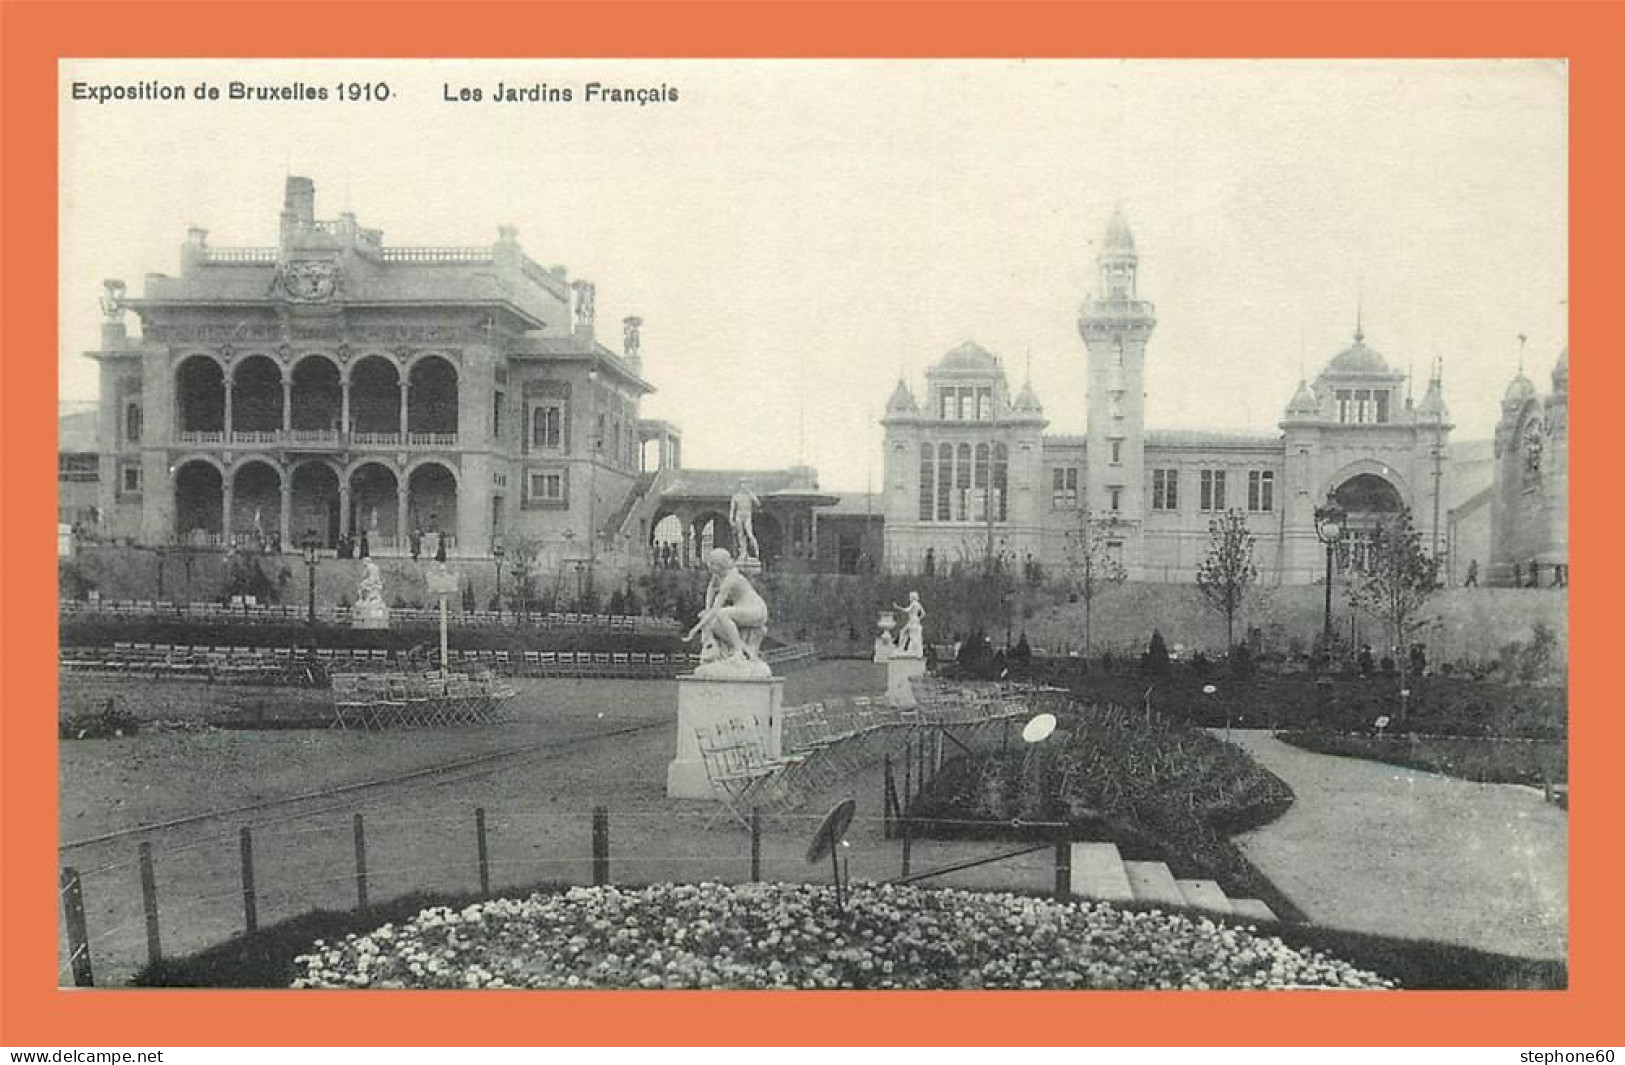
132 898
250 613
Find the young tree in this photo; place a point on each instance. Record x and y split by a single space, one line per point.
1227 572
1398 579
525 560
1090 568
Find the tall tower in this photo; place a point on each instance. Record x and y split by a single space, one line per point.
1115 325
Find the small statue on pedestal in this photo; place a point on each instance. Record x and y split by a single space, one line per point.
913 642
370 610
732 624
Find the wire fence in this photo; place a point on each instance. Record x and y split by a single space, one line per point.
133 900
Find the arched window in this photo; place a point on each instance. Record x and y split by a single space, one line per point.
927 482
981 494
962 483
945 482
132 423
1001 478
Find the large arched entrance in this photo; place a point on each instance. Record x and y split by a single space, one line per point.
199 503
666 542
200 396
314 503
1368 501
431 405
431 494
318 395
256 399
375 504
256 505
375 400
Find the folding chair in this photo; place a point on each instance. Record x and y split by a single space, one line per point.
740 781
349 701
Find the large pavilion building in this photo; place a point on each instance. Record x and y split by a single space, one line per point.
969 467
334 386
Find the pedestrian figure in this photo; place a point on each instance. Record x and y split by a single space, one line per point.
930 562
1364 660
1472 574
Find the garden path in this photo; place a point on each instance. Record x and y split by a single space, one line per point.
1377 848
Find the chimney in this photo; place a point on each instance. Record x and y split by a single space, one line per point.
632 342
299 201
195 250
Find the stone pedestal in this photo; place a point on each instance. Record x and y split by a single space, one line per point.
899 668
706 702
369 616
884 647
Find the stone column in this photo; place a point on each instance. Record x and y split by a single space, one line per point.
229 391
287 406
285 524
226 493
345 524
403 527
344 409
406 391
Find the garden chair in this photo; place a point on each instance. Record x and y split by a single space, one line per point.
740 779
349 701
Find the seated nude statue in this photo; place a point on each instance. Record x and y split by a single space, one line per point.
734 620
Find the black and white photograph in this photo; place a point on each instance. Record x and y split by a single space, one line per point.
813 524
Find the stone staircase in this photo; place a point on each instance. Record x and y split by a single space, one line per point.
1099 872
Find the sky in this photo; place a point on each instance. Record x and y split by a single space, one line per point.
798 234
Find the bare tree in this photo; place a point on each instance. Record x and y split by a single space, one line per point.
1398 579
1227 572
525 555
1090 567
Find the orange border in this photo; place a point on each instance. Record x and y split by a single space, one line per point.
34 1012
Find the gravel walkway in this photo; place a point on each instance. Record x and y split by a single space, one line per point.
1376 848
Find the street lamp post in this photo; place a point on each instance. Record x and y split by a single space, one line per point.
1329 529
312 559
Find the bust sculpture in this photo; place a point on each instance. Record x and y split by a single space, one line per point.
913 641
732 624
741 516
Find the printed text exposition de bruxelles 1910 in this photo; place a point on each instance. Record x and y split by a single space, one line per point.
369 91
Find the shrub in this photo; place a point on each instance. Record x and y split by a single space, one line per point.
106 723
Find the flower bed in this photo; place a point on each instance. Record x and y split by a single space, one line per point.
793 936
1159 789
1488 760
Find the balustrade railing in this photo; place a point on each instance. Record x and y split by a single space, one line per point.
432 439
315 436
241 255
256 436
437 255
202 436
376 439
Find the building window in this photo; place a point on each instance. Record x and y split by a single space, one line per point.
544 487
962 483
1117 404
1164 489
496 415
1212 489
1362 406
1115 494
1345 405
984 404
1117 452
1261 490
1001 481
927 482
967 400
1382 406
132 423
129 479
547 425
1064 488
950 404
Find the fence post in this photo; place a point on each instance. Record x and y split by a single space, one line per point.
73 911
484 852
360 863
600 846
251 913
908 778
1063 868
908 842
149 903
888 801
756 845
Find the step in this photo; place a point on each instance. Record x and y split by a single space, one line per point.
1153 882
1097 873
1204 895
1253 909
